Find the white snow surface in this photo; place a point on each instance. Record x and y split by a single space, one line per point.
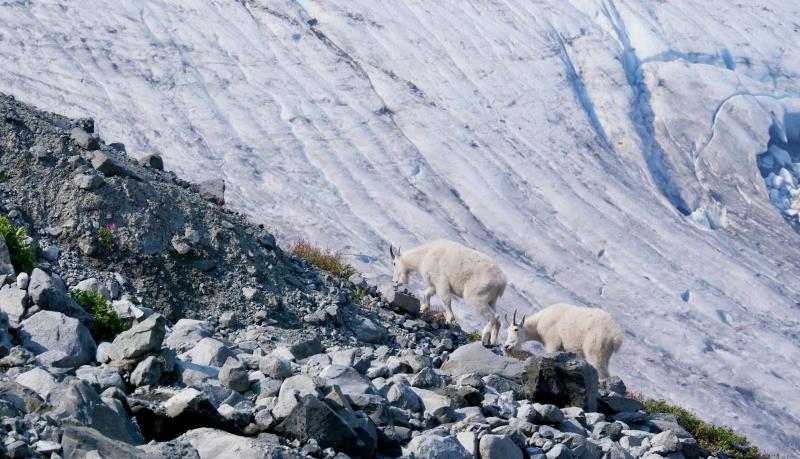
603 152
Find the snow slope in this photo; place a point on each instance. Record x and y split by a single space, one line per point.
603 152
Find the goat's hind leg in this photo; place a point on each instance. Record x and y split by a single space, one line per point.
426 299
495 330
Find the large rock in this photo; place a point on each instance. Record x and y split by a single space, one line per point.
368 331
209 352
213 191
293 389
399 301
93 285
498 447
39 380
5 259
189 409
435 406
101 378
20 397
147 372
13 301
53 331
437 445
402 396
85 442
561 379
187 333
214 444
75 401
306 347
111 166
49 294
312 418
84 139
475 358
275 367
348 380
143 337
5 336
234 375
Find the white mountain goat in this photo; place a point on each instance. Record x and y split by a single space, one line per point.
588 332
450 269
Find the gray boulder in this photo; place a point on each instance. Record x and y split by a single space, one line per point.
13 301
19 397
475 358
311 418
147 372
561 379
188 332
86 442
275 367
209 352
368 331
143 337
39 380
306 347
213 444
49 294
153 161
234 375
5 336
190 409
111 166
101 378
399 301
348 380
435 406
93 285
293 389
75 401
498 447
665 443
402 396
213 191
84 139
190 374
615 403
5 259
53 331
88 181
437 445
427 377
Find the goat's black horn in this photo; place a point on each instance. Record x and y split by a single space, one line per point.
514 318
391 251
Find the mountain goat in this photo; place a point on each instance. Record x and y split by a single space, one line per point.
450 269
588 332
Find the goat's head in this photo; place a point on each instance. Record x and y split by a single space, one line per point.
400 275
516 334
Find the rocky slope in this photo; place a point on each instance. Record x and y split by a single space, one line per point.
236 349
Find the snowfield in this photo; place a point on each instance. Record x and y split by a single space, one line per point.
603 152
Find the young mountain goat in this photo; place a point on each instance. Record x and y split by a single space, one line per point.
588 332
450 269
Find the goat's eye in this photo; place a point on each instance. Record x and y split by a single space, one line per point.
516 329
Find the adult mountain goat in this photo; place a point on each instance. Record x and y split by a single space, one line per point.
588 332
450 269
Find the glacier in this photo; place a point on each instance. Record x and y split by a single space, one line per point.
604 152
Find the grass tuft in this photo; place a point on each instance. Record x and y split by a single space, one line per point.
22 253
472 336
324 259
106 235
708 436
107 323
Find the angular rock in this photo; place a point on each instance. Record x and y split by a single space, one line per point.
306 347
53 331
427 377
39 380
111 166
399 301
84 139
402 396
101 378
85 442
348 380
93 285
77 402
615 403
19 397
213 191
214 443
311 418
275 367
368 331
5 259
209 352
190 374
88 181
147 372
437 445
186 333
435 406
234 375
561 379
664 443
498 447
153 161
190 409
293 389
48 293
475 358
13 301
143 337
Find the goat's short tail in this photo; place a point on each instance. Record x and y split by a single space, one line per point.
617 340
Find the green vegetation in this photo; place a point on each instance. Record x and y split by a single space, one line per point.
358 295
323 259
22 253
106 235
711 437
107 323
473 336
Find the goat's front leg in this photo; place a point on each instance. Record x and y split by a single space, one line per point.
426 299
449 317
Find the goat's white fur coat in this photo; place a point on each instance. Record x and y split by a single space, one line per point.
450 269
588 332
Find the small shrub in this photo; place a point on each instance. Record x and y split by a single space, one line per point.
358 295
107 323
106 235
22 253
711 437
323 259
472 336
